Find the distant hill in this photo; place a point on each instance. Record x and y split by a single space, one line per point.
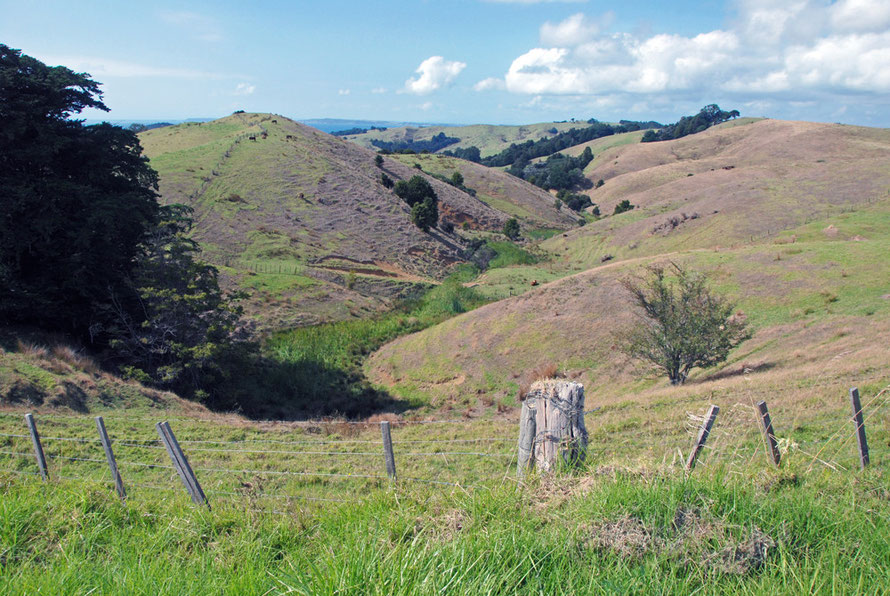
301 219
792 219
490 139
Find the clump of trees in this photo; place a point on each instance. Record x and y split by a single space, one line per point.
439 141
624 205
683 323
557 172
574 201
422 199
708 116
86 249
468 153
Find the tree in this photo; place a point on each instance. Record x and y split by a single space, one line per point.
386 181
684 324
174 328
76 203
378 160
511 229
624 205
414 190
425 214
457 179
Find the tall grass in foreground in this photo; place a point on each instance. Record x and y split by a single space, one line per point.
608 532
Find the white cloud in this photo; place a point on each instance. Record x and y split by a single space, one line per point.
808 47
426 106
343 92
378 90
101 68
199 26
860 15
244 89
434 73
490 83
573 31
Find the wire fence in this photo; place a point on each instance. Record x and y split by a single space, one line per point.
283 469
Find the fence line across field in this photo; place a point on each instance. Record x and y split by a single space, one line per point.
712 431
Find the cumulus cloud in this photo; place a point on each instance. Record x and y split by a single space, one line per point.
343 92
773 46
489 84
433 73
244 89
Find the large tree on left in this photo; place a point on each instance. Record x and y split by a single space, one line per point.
76 202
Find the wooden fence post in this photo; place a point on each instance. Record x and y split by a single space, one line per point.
109 455
766 427
860 427
38 448
702 436
181 464
527 433
388 455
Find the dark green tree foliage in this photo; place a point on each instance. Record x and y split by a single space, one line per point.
624 205
457 179
174 328
557 172
468 153
439 141
76 202
378 161
684 324
414 190
386 181
524 152
511 229
708 116
425 214
574 201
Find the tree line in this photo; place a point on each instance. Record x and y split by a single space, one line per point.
707 117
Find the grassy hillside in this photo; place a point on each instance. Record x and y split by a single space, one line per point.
291 212
490 139
533 206
794 231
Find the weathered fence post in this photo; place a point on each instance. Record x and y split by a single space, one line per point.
109 455
181 464
38 448
766 427
860 427
388 455
552 425
702 436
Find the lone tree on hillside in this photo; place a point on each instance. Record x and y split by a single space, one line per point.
511 229
419 194
684 324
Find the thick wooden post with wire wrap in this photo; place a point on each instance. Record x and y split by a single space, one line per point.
109 455
388 455
702 436
860 427
38 448
181 464
551 426
766 427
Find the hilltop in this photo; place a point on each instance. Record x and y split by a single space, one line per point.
289 213
790 218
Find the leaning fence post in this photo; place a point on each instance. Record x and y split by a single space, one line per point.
702 436
860 427
181 464
387 450
766 427
38 448
109 455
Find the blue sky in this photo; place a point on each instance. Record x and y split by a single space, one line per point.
470 61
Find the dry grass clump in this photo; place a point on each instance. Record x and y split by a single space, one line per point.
33 350
73 357
547 370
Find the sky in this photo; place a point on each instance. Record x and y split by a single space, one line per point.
469 61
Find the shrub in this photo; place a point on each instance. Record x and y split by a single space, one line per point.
623 206
386 181
684 324
378 160
511 229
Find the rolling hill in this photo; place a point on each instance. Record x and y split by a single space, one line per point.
300 218
791 219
